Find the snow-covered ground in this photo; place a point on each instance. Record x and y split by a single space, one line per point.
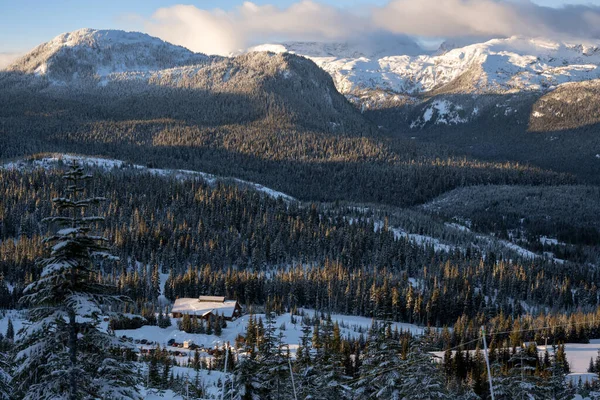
351 326
108 164
578 355
445 112
210 380
522 252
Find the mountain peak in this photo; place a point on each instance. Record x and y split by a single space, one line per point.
101 38
91 52
370 47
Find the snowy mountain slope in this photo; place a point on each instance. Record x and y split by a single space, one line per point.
416 84
570 106
108 164
499 65
130 68
374 74
90 52
371 47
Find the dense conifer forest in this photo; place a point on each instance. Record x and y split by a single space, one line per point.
451 255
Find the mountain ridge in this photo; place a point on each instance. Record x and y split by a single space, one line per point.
509 65
91 52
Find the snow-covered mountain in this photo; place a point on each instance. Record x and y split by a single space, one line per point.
405 74
496 66
130 68
89 52
371 47
456 84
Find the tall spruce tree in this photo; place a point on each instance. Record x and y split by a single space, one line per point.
422 376
5 378
10 330
557 379
247 385
64 353
382 369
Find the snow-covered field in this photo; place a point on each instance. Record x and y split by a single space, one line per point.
349 326
108 164
578 355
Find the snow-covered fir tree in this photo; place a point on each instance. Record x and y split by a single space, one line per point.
272 356
246 383
382 369
5 378
10 330
557 373
422 377
64 353
520 381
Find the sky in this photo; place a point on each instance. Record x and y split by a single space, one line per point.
222 26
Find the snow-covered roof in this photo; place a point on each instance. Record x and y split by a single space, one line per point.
194 306
219 299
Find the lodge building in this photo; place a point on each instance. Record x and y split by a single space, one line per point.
205 306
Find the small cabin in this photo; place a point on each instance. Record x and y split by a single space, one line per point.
205 306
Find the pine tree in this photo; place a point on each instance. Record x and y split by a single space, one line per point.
153 373
557 385
422 377
520 382
166 371
155 283
273 362
303 358
10 331
247 384
561 358
382 368
304 365
64 353
218 326
5 378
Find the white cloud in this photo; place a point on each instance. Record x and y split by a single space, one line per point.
455 18
222 32
7 58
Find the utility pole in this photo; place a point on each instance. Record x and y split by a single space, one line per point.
187 386
232 381
487 361
291 371
225 372
292 375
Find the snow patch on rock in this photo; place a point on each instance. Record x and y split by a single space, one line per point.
440 112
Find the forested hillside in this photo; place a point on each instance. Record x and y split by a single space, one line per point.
222 239
372 250
254 138
205 236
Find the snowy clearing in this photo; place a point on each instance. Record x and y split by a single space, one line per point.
108 164
351 326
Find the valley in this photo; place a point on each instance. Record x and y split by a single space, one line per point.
371 208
